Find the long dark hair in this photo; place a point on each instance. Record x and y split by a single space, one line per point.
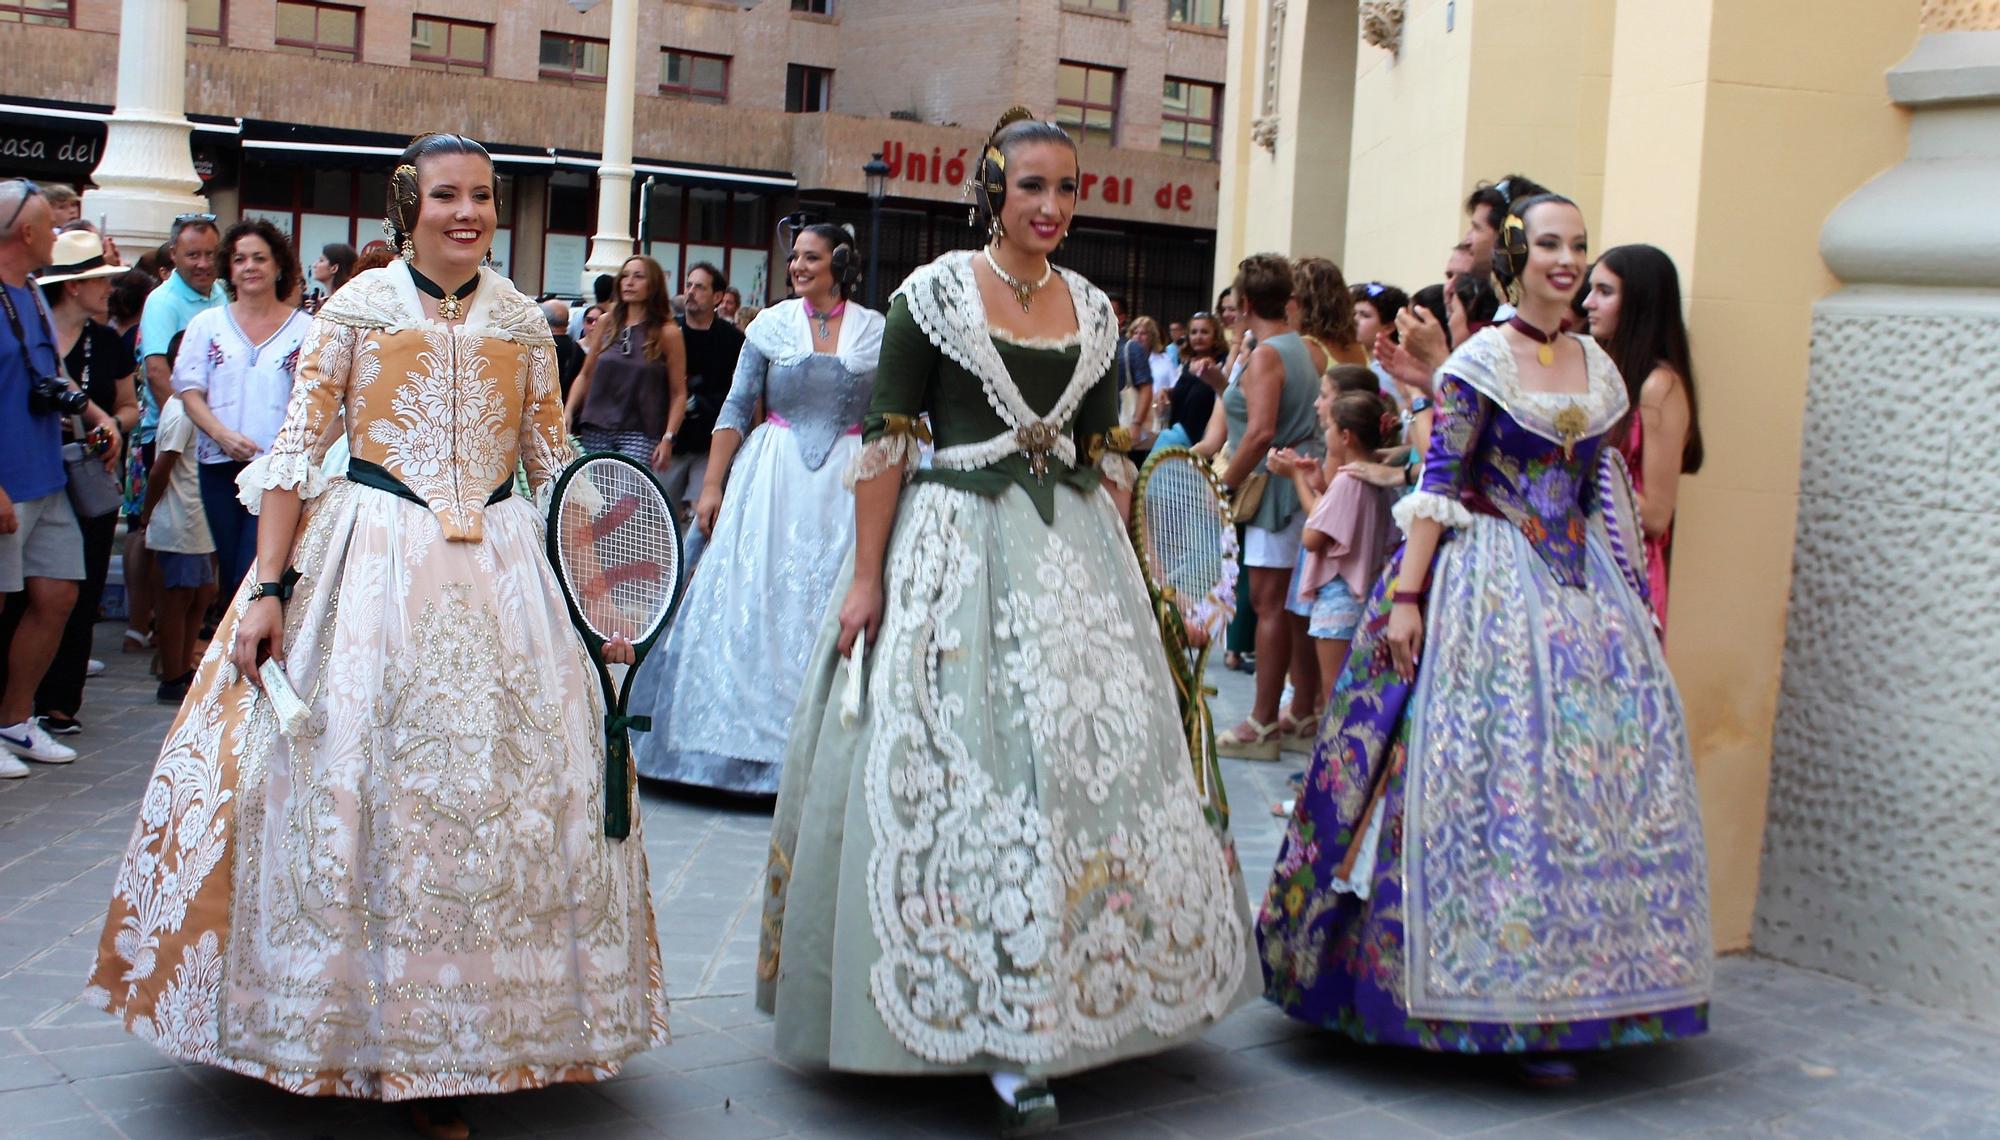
341 256
656 309
1651 333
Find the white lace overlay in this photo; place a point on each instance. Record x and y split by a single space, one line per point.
1118 470
1042 881
279 473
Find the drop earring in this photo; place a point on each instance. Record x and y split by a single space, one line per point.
994 230
409 249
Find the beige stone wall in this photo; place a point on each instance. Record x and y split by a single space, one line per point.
1730 156
1407 173
1296 196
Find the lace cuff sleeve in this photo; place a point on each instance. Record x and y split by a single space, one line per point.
292 471
1108 452
899 445
1430 505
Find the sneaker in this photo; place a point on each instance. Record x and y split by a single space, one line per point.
30 741
94 668
60 724
11 767
174 691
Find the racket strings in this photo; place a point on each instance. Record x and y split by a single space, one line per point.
1183 532
618 550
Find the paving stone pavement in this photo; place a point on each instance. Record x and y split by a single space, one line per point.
1792 1054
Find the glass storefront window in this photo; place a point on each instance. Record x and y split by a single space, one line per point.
708 212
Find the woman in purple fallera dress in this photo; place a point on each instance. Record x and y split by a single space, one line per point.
1499 845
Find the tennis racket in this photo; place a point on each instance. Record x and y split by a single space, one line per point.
1187 552
616 547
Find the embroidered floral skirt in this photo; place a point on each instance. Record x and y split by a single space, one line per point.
721 689
1537 879
412 895
1002 862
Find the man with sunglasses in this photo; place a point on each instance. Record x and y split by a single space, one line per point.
41 546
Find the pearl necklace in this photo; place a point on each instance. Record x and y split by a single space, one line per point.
1023 291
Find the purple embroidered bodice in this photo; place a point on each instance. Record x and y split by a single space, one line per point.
1498 450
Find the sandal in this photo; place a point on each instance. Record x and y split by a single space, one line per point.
1249 741
137 641
1301 734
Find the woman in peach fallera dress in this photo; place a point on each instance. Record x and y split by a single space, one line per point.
410 895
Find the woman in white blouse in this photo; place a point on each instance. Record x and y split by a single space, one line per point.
234 373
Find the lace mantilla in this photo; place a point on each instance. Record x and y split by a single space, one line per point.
387 299
944 298
1485 363
780 333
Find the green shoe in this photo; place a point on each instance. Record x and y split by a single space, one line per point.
1032 1113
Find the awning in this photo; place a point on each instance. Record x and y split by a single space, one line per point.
49 111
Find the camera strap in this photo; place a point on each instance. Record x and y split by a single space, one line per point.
21 334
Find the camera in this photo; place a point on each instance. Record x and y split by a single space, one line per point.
50 394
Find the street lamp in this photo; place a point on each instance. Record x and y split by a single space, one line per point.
877 173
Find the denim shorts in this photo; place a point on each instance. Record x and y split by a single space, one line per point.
184 571
1336 612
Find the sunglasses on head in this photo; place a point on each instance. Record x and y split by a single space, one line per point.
29 191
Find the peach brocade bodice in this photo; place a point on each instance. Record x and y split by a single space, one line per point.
447 411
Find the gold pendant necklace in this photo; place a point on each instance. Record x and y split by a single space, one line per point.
1024 291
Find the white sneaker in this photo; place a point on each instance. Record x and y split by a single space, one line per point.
30 741
94 669
11 768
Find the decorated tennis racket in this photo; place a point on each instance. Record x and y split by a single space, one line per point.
1187 551
616 547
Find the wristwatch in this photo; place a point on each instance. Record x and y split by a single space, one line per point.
1420 404
280 589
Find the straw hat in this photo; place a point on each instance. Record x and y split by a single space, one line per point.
79 256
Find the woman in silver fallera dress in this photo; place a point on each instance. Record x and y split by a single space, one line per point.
721 693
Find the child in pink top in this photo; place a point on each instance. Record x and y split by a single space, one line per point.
1348 528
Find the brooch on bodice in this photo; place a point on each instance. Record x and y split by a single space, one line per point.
1571 424
1037 440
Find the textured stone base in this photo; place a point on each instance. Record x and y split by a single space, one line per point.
1882 861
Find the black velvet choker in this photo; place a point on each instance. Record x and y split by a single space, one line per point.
448 303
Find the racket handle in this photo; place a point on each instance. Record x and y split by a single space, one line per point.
850 696
617 786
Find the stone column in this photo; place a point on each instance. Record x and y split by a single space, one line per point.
146 176
612 243
1880 860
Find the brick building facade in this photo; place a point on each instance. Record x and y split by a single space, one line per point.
744 111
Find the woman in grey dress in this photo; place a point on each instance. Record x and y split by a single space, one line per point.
721 693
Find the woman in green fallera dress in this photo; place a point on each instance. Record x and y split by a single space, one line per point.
998 863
